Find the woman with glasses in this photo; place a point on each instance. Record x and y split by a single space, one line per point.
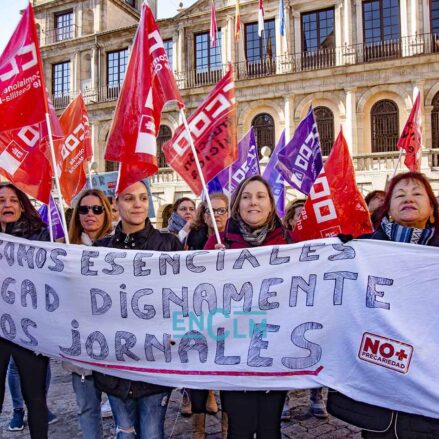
200 402
183 213
91 220
19 218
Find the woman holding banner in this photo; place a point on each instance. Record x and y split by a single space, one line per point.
19 218
409 215
253 222
138 407
91 220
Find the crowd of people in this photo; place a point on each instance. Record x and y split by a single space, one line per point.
406 212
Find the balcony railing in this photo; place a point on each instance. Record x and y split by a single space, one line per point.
288 64
59 34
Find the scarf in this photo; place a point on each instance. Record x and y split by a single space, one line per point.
86 240
253 237
176 223
410 235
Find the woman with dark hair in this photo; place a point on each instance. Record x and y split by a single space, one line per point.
19 218
91 220
374 201
292 214
253 222
409 215
183 213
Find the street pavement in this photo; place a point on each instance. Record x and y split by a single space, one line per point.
61 401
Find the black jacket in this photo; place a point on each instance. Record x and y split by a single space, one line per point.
28 229
146 239
380 419
197 238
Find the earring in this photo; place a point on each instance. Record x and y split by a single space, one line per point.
390 218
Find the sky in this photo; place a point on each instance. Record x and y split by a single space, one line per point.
10 15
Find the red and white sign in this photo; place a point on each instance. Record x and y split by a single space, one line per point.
385 352
213 130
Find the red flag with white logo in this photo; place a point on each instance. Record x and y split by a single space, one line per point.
148 85
213 130
334 205
411 138
24 147
75 151
213 26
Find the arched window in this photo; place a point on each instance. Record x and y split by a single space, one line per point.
435 122
325 124
165 134
263 124
384 126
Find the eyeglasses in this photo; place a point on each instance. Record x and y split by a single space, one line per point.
219 211
97 210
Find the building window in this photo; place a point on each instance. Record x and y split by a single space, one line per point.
260 52
325 124
434 23
165 134
64 26
381 24
208 62
318 39
263 125
131 3
61 84
111 166
116 67
385 126
168 49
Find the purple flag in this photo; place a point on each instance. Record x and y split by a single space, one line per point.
300 162
56 218
274 177
246 166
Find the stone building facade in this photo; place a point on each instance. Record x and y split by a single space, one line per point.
359 62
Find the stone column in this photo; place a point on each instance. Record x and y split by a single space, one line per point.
230 38
76 79
78 29
351 120
288 34
404 19
297 34
338 20
97 16
347 23
426 17
180 64
359 21
95 69
289 116
413 17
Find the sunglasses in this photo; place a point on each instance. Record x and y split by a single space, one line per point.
97 210
219 211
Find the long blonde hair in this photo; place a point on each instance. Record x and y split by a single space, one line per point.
75 228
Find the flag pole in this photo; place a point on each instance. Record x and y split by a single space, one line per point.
89 174
49 218
200 173
55 171
398 162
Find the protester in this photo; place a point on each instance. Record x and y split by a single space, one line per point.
374 200
91 220
138 407
253 223
292 214
200 402
409 215
183 213
114 211
19 218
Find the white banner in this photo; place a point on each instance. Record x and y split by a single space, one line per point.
359 317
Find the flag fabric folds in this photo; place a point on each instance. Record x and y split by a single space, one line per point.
24 147
75 151
148 85
213 26
300 161
411 138
55 214
245 166
213 130
261 14
282 17
274 177
237 21
335 205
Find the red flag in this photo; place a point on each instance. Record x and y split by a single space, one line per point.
411 138
75 151
335 204
237 21
213 129
24 149
261 14
148 85
213 26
